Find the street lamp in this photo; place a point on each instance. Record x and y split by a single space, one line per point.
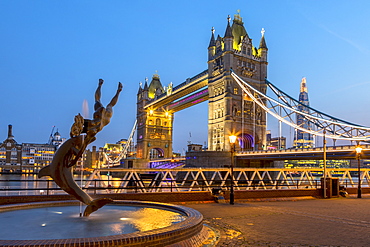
358 156
324 149
232 139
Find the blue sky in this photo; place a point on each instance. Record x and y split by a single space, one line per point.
53 53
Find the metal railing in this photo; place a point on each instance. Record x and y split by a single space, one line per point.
190 179
148 186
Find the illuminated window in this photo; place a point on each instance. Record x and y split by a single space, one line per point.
235 90
158 122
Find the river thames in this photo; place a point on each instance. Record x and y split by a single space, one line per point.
30 184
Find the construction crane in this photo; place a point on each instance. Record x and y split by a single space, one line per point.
51 135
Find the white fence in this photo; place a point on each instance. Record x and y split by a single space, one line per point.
115 180
195 179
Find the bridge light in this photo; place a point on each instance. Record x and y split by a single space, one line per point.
232 139
359 190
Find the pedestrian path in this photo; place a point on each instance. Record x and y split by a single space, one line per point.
290 221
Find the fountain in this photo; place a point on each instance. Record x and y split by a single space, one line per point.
119 223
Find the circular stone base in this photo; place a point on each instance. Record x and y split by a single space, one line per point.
189 232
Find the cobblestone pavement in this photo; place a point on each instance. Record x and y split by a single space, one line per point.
290 222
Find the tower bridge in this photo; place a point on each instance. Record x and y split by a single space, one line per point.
234 85
228 112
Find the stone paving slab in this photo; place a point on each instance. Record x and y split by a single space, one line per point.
290 221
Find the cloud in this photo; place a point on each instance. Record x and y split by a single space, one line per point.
351 42
347 88
315 21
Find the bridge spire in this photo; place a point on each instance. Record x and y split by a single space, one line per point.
228 37
228 32
212 42
263 42
146 84
140 88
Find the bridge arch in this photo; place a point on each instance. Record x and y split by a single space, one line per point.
246 142
156 153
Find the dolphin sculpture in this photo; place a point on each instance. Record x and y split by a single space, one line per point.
67 155
60 170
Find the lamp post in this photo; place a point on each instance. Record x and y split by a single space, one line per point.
232 139
324 149
358 156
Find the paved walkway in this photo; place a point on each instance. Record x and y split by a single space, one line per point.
290 222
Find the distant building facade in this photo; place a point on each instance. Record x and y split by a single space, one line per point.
195 147
26 157
276 142
10 151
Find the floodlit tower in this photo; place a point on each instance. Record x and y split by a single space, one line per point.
303 139
229 111
154 129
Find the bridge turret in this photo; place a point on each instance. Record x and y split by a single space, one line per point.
140 89
155 87
142 93
228 46
228 37
239 32
146 88
212 45
262 52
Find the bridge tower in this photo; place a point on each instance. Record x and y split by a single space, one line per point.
230 112
154 126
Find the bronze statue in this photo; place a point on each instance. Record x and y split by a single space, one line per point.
71 150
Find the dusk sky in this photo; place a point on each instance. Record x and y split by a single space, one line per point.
54 52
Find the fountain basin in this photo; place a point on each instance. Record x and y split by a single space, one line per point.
186 227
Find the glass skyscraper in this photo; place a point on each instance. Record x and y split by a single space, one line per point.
301 138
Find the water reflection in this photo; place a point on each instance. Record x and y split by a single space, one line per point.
27 184
64 222
147 219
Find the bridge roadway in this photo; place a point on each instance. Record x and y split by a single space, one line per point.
175 101
332 153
